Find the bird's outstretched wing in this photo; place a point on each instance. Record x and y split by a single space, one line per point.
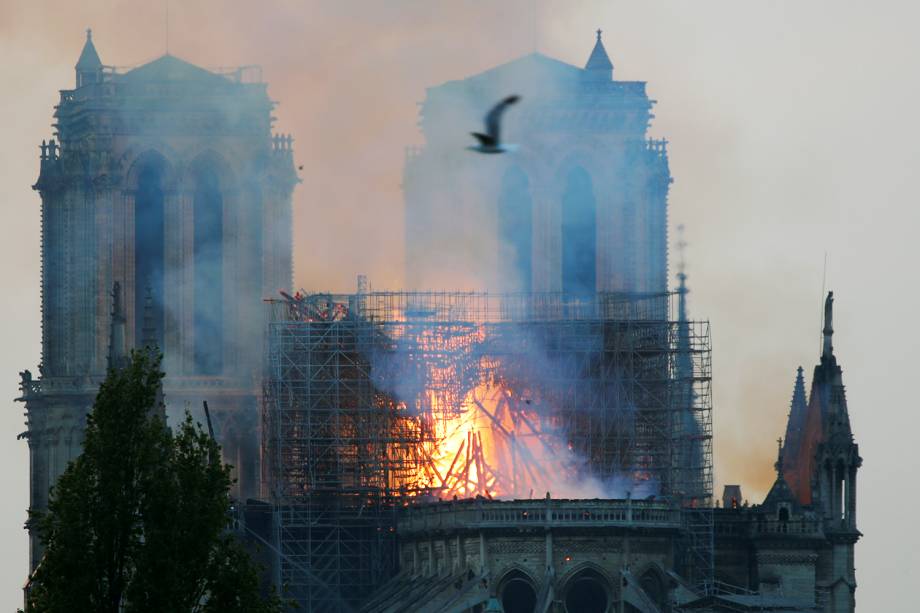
494 118
484 139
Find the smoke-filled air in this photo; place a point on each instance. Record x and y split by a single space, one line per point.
393 299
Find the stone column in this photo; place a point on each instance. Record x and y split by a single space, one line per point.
38 490
277 240
824 487
233 257
251 325
185 350
84 279
175 265
842 492
123 257
106 199
448 566
851 495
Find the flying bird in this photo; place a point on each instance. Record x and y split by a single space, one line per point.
491 141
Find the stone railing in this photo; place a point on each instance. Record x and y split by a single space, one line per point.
752 526
548 513
804 527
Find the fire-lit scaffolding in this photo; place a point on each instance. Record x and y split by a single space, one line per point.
372 399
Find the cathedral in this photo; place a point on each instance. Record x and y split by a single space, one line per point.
167 180
166 220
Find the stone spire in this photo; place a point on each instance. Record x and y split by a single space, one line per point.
599 66
89 66
118 356
796 422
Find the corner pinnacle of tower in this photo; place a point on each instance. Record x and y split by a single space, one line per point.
599 63
798 404
89 58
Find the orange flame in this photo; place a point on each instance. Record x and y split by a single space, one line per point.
496 445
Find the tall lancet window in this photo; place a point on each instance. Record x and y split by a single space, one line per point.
579 235
515 232
207 318
148 250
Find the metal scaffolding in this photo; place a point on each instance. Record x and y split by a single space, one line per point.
372 399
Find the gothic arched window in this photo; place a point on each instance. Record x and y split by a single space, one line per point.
515 232
517 593
579 235
207 318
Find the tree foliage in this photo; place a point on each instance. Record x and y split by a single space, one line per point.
138 521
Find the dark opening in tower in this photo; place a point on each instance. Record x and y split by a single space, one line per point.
207 320
579 235
515 231
148 251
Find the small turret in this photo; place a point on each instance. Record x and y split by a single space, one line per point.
599 66
89 66
780 499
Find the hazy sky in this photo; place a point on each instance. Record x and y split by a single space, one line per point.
793 131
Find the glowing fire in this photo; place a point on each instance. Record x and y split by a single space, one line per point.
496 444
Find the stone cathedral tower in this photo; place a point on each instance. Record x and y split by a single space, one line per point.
167 180
579 207
821 461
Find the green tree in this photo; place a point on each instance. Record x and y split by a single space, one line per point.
138 521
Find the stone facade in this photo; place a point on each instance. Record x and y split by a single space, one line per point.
543 555
166 179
